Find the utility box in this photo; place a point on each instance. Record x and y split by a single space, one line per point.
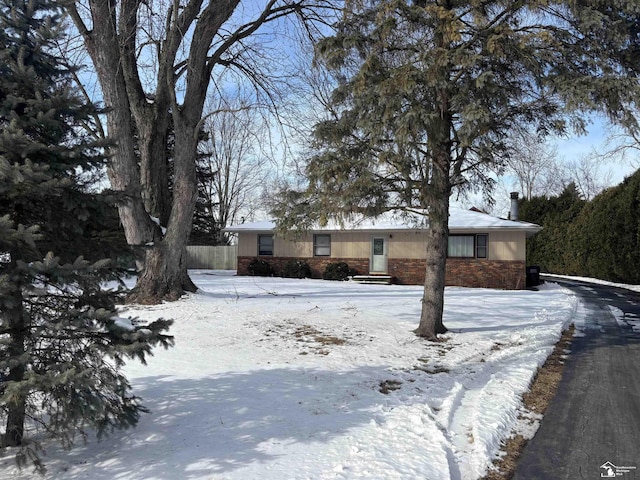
533 276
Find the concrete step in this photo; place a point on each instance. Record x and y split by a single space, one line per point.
377 279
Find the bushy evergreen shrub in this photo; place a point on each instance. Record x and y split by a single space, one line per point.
549 247
296 269
260 268
336 271
605 238
599 238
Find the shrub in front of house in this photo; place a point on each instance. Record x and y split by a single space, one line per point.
296 269
260 268
336 271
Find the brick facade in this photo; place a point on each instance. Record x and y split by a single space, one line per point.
508 275
463 272
317 264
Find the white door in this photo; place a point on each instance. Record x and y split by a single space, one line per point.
379 246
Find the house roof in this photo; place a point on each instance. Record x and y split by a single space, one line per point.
459 220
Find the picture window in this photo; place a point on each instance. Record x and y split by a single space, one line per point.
322 245
468 246
265 245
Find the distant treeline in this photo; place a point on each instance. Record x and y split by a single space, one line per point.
598 238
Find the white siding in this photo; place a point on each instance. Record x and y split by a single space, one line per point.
503 245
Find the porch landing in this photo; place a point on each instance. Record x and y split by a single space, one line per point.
378 279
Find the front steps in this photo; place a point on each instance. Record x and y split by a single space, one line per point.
374 279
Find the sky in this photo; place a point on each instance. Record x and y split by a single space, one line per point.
597 139
569 149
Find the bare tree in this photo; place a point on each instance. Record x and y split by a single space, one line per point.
155 61
539 172
534 163
623 146
590 174
235 166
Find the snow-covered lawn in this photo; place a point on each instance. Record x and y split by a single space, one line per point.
274 379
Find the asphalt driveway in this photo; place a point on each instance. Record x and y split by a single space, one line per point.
592 427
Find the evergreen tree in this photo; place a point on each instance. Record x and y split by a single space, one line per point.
429 91
205 229
62 345
553 247
605 237
598 238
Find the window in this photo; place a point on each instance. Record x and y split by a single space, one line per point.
482 244
460 246
378 246
265 245
468 246
321 245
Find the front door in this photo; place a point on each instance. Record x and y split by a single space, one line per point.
379 247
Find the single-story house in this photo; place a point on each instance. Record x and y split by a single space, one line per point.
484 251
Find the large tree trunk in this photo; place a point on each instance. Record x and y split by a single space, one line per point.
165 274
114 50
124 175
435 197
431 323
16 413
141 177
153 131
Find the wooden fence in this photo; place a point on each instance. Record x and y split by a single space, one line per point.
214 258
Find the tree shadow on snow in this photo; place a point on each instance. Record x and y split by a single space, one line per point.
212 426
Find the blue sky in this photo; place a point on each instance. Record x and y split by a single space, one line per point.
597 139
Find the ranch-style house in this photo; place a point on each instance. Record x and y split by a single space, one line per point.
484 251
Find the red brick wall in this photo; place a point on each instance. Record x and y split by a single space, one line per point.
317 264
463 272
509 275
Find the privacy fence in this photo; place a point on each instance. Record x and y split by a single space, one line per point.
215 258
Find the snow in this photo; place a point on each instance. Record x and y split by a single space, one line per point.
459 219
124 323
625 320
156 220
635 288
276 379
